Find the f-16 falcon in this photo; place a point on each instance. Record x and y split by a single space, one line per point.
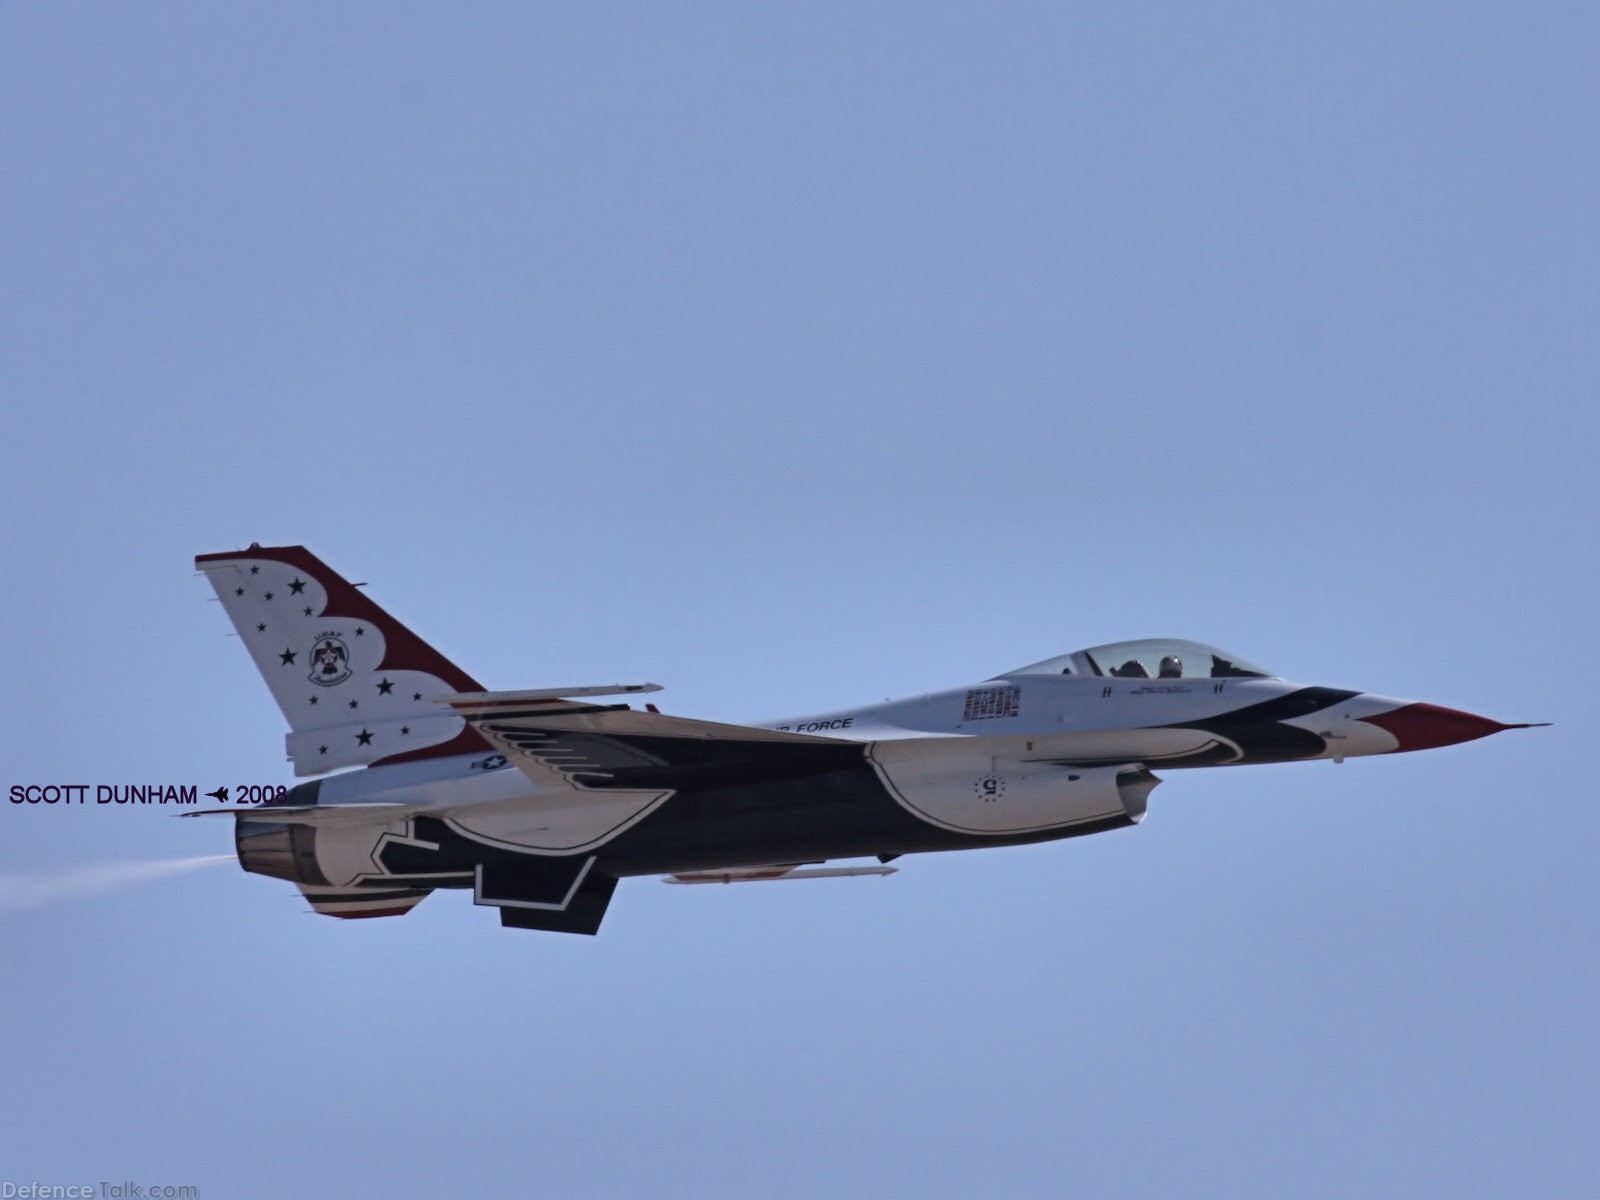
539 801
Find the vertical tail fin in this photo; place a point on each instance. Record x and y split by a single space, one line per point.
355 685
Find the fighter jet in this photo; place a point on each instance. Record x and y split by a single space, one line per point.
540 801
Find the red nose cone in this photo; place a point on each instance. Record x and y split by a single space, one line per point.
1424 726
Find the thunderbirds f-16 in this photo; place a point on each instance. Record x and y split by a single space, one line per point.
541 800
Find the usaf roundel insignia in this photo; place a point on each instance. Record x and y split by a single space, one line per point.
330 661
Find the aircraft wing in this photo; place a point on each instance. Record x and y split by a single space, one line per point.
614 747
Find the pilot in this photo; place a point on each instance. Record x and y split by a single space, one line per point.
1171 667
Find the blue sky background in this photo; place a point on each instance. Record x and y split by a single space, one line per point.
797 356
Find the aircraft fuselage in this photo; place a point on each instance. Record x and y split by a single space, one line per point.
541 800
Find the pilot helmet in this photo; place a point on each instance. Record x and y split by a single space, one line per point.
1171 667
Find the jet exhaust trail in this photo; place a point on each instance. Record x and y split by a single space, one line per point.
21 892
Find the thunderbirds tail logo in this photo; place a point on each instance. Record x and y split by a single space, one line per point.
330 661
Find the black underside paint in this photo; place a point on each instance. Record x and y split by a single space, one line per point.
582 915
539 881
740 804
837 814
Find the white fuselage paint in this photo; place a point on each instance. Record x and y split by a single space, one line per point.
1051 709
1001 774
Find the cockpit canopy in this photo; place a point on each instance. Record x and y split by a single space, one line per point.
1147 658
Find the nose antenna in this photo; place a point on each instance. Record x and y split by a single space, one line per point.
1426 726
